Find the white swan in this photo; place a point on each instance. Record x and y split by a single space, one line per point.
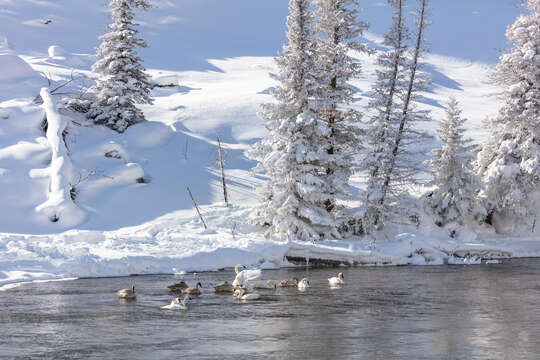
303 284
176 304
244 276
241 294
336 281
265 285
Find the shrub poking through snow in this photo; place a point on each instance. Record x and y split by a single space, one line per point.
453 202
121 81
509 163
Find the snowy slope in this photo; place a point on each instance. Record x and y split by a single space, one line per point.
136 182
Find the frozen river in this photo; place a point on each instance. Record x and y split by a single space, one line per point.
439 312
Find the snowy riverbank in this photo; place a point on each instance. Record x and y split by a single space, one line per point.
177 243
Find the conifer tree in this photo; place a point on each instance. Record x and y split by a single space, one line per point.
386 94
453 202
399 149
338 29
509 163
121 81
289 156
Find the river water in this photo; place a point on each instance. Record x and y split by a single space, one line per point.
431 312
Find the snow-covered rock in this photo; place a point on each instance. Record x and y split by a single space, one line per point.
56 51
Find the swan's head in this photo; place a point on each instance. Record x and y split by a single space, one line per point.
199 284
238 267
340 275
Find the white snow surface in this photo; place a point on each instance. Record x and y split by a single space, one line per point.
132 213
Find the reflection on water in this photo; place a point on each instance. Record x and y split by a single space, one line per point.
447 312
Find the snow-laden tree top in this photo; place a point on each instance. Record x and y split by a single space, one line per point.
121 81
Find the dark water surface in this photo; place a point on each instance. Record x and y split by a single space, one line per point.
442 312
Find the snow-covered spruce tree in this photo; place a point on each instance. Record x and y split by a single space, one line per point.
338 29
386 93
121 81
402 160
509 163
453 203
293 198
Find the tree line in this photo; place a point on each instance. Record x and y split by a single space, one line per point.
318 139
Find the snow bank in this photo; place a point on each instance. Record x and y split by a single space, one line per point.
177 242
13 67
60 206
17 78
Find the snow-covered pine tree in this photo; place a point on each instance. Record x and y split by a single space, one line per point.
293 198
121 81
509 163
338 29
386 94
453 203
402 161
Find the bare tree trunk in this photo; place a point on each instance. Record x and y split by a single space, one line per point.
225 197
197 208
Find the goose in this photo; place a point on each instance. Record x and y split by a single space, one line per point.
176 304
265 285
241 294
127 294
289 283
244 276
192 290
178 287
336 281
303 284
223 287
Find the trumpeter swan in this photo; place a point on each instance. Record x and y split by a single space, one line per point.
178 287
336 281
289 283
192 290
241 294
303 284
127 294
224 287
265 285
177 305
244 276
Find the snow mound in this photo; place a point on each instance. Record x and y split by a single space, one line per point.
56 51
12 67
17 78
166 80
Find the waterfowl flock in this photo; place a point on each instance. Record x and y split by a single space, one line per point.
242 288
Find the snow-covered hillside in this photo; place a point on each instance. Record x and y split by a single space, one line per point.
216 55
